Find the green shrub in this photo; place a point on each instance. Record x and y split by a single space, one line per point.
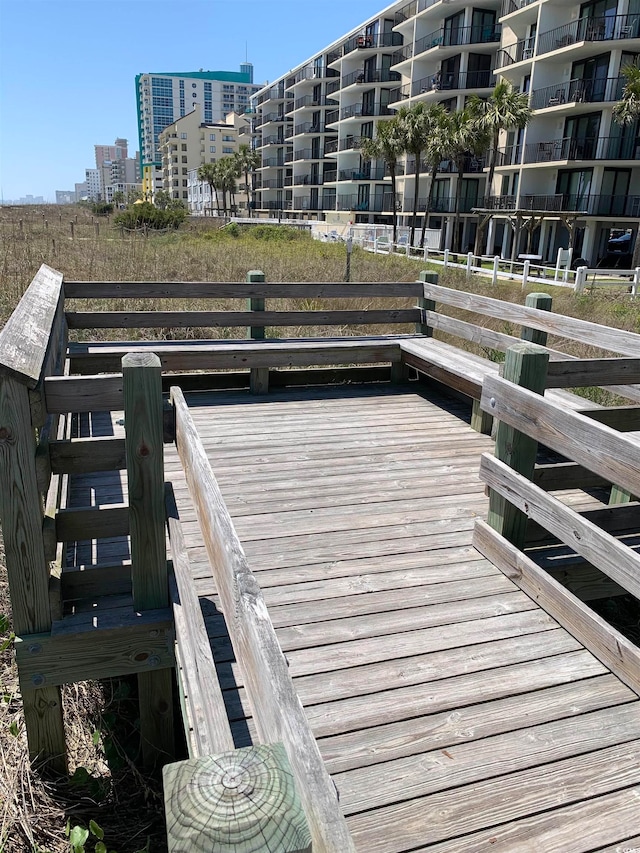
232 229
139 215
101 208
277 232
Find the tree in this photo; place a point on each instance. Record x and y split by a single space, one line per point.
386 145
208 172
505 109
434 153
162 199
118 198
625 113
627 110
466 139
414 130
247 161
227 172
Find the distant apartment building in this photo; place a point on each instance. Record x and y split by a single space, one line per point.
162 98
109 153
572 167
116 172
188 143
81 191
92 180
65 196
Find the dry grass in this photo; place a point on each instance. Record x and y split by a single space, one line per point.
34 810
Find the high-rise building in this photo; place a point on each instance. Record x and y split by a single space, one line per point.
162 98
188 142
572 176
92 180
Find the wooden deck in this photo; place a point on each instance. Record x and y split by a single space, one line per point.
452 712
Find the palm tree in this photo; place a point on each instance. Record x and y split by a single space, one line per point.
387 146
625 113
247 161
208 172
439 132
627 110
506 109
414 129
466 139
227 171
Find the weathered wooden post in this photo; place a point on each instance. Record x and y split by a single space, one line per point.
543 302
142 385
423 328
71 224
526 365
244 800
259 380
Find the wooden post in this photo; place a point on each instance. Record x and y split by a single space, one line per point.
71 224
142 386
525 273
496 262
243 800
259 381
27 566
425 304
525 365
543 302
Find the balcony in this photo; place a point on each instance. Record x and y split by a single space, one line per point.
273 140
405 13
510 6
331 89
367 174
454 37
329 176
273 184
595 205
273 162
308 180
451 81
331 116
445 204
301 202
590 148
472 165
362 42
274 205
517 52
370 76
613 28
351 143
331 146
358 110
308 154
309 127
374 204
578 91
309 101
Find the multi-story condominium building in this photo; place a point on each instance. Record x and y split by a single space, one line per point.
573 158
572 166
109 153
188 143
164 97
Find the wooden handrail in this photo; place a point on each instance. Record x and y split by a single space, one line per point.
32 336
277 712
241 290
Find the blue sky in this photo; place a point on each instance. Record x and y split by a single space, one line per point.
67 68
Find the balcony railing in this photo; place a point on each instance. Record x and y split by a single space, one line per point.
400 94
309 127
357 110
308 154
374 204
329 175
331 88
595 205
274 205
362 75
516 52
273 184
590 148
331 146
608 28
367 174
331 116
472 165
576 91
308 180
445 204
453 37
371 41
351 143
510 6
406 12
447 81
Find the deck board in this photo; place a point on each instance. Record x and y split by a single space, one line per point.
453 713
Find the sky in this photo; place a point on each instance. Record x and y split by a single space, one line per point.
68 67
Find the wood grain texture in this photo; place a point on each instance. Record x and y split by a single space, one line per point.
202 688
226 290
24 339
276 708
618 653
80 394
235 802
598 447
210 319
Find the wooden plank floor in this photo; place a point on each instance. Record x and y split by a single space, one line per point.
452 712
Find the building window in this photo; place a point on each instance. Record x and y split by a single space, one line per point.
212 137
212 149
184 159
227 150
228 139
183 136
183 147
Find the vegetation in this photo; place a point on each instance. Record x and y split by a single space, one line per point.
147 215
625 113
387 145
